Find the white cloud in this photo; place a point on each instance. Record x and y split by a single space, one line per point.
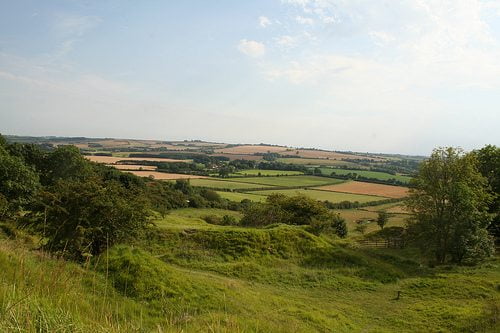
264 21
252 48
286 41
304 20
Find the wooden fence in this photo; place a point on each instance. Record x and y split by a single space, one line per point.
393 243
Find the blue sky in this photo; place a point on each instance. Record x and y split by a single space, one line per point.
382 76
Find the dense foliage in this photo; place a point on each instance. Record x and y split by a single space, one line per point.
449 201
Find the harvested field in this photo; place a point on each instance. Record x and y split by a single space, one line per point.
163 175
114 160
251 149
368 189
133 167
311 153
262 172
324 195
367 174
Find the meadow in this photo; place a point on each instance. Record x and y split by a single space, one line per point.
316 162
238 196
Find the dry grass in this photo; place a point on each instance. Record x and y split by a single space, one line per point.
368 188
133 167
163 175
114 160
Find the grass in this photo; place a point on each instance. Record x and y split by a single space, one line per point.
230 279
290 181
224 184
238 196
262 172
324 195
366 173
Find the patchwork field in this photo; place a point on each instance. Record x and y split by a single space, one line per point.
224 184
257 172
114 160
324 195
366 173
163 175
233 157
290 181
368 189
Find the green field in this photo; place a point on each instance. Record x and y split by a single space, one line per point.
325 195
237 196
366 173
291 181
262 172
224 184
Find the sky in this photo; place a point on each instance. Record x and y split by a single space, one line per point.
371 76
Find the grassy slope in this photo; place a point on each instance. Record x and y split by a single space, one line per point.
199 278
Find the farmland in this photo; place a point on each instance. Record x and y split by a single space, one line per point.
225 184
261 172
163 175
316 162
355 187
296 181
324 195
133 167
366 173
238 196
114 160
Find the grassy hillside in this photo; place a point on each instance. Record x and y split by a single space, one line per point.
189 276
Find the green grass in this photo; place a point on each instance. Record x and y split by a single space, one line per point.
324 195
366 173
237 196
231 279
262 172
290 181
224 184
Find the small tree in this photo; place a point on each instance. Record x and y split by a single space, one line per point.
382 219
361 228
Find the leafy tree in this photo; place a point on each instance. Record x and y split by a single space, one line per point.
489 166
449 201
80 218
65 163
382 219
18 182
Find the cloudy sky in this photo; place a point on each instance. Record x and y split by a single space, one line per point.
372 75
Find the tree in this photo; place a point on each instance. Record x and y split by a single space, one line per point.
361 228
489 166
449 201
18 182
382 219
79 218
